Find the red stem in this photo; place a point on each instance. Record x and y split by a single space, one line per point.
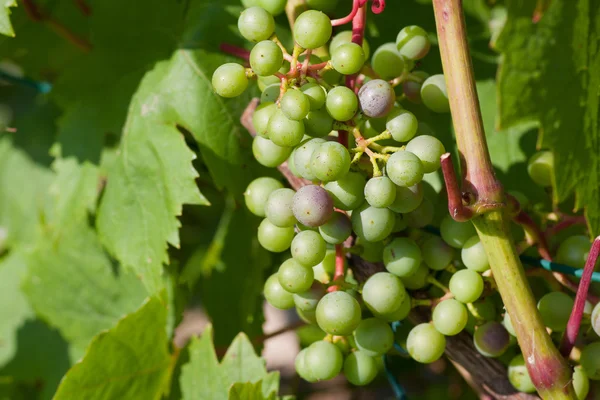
235 51
340 267
530 226
355 6
83 7
455 205
568 340
567 222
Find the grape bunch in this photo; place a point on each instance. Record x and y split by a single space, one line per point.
338 120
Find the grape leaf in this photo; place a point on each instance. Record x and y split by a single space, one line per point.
204 378
247 390
549 76
5 25
130 361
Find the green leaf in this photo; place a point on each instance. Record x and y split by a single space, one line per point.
549 76
204 378
5 25
130 361
247 391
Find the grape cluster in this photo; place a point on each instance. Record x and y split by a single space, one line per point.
365 196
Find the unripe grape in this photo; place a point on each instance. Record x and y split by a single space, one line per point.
312 29
413 43
274 7
346 37
312 205
284 131
348 58
256 24
338 313
507 322
518 375
540 168
425 344
229 80
595 319
407 198
404 168
372 252
434 94
450 317
429 150
456 233
590 360
318 123
555 310
359 368
301 368
418 279
374 337
308 300
491 339
347 192
401 313
270 93
402 257
266 58
383 293
387 62
420 216
278 208
337 229
330 161
302 157
466 285
376 98
308 248
324 360
371 223
295 277
268 153
295 105
412 87
258 192
274 238
581 382
326 268
402 124
436 253
316 95
261 117
473 255
574 251
341 103
276 295
380 192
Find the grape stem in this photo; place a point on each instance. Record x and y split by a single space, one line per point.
348 18
235 51
340 267
568 340
548 370
83 7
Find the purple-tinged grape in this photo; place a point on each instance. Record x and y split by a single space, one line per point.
491 339
276 295
338 313
312 205
337 229
312 29
376 98
258 192
425 344
412 88
256 24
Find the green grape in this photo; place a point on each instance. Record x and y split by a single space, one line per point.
284 131
590 360
301 368
484 308
330 161
373 127
372 252
261 117
387 62
274 238
404 168
436 253
327 6
380 191
450 317
434 94
401 313
265 81
420 216
429 150
400 223
324 360
347 192
372 224
229 80
308 248
266 58
302 156
413 43
295 105
268 153
276 295
574 251
325 269
337 229
278 209
581 383
312 205
376 98
520 197
518 375
258 192
341 103
418 279
310 317
312 29
348 58
318 123
274 7
316 95
338 313
555 310
256 24
407 199
473 255
249 3
491 339
383 293
308 300
295 277
374 337
412 86
346 37
456 233
595 319
270 94
425 344
507 322
402 124
359 368
466 285
402 257
540 168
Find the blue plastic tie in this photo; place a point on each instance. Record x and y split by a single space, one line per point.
399 392
42 87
